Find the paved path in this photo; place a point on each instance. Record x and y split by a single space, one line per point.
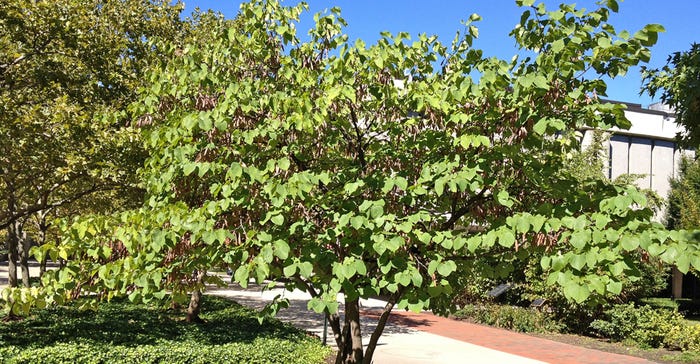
420 338
511 342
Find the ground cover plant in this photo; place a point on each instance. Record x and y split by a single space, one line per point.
510 317
123 332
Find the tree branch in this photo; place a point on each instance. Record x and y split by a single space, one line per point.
456 215
380 326
7 218
358 135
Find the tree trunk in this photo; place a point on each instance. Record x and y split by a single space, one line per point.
42 266
196 300
43 227
23 245
677 283
351 350
12 254
378 331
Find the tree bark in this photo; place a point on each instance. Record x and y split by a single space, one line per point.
12 254
378 331
23 246
677 283
351 351
196 300
43 227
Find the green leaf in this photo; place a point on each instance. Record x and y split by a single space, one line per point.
360 267
577 261
506 238
281 249
614 287
241 276
683 263
503 198
188 168
540 126
580 239
576 292
376 211
277 220
305 269
283 164
629 242
289 270
446 268
357 222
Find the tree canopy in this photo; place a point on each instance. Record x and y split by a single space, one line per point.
678 83
362 170
68 69
683 209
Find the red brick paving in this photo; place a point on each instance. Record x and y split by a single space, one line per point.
509 341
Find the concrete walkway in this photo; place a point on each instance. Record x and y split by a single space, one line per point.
418 338
400 343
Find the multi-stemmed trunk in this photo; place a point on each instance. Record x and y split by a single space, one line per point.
349 336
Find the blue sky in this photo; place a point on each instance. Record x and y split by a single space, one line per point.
367 18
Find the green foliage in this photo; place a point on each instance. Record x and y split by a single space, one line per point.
67 70
683 337
683 208
679 85
591 162
644 325
367 169
649 279
121 332
685 357
510 317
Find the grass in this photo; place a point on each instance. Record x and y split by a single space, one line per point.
122 332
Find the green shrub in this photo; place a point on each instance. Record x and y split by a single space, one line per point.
510 317
121 332
646 326
683 337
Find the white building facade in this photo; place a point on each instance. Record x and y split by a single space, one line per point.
647 149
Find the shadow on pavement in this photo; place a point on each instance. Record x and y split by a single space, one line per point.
298 315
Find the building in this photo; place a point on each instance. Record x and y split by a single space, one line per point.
648 149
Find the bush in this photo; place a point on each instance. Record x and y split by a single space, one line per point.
529 283
121 332
684 337
510 317
646 326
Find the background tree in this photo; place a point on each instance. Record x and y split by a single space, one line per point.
683 210
679 85
359 170
684 199
62 65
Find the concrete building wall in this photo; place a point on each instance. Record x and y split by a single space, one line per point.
646 149
619 156
662 166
